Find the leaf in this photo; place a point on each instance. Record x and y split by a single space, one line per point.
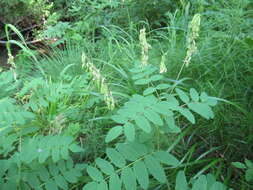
128 179
128 151
203 97
148 91
200 183
162 108
91 186
173 128
105 166
143 123
50 184
239 165
70 176
153 117
182 95
187 114
248 163
62 166
61 182
33 180
65 152
113 133
44 155
217 186
211 101
116 158
194 95
69 164
55 154
75 148
202 109
142 81
129 131
162 86
53 169
95 174
166 158
102 186
115 182
155 169
173 104
141 174
181 182
210 180
156 77
249 175
119 119
43 174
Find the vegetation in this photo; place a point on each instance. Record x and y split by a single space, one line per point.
126 95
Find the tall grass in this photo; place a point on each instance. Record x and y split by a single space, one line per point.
221 64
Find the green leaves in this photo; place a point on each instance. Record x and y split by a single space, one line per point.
239 165
149 113
155 168
248 167
44 147
128 179
166 158
116 158
187 114
95 174
113 133
115 182
199 104
139 113
129 131
11 113
182 95
154 117
202 109
141 174
143 123
203 182
49 175
104 166
194 95
134 166
181 183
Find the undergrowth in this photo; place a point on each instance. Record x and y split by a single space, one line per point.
143 105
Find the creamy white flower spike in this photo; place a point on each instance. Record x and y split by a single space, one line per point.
100 81
193 34
144 47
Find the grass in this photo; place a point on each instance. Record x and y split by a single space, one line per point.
222 66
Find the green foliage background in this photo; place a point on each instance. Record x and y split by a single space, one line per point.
103 109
